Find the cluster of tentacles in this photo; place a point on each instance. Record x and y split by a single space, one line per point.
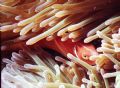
39 22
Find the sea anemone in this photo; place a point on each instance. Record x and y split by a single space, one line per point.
60 43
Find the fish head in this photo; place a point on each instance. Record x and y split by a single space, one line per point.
84 51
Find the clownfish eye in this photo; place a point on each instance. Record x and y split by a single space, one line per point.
84 56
